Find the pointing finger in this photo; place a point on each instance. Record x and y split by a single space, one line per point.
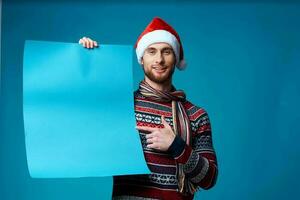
145 128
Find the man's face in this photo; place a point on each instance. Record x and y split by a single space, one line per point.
159 62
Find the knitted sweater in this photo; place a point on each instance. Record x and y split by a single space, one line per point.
199 159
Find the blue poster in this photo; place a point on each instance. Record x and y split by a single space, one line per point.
79 121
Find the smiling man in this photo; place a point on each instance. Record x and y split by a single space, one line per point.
175 134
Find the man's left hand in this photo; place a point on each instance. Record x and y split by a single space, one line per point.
159 138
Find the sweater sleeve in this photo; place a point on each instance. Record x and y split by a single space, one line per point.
198 159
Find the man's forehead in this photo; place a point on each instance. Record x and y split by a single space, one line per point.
159 45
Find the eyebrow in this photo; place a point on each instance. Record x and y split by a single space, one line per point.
165 48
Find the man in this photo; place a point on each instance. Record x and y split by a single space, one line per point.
175 134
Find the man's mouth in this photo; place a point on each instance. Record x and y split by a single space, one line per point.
160 69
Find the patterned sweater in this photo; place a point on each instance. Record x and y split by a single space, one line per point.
199 159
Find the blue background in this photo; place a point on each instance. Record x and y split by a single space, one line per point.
243 69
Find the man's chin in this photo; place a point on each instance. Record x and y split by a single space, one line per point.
158 79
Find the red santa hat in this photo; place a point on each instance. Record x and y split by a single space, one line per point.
159 31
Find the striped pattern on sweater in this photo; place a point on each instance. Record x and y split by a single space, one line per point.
199 159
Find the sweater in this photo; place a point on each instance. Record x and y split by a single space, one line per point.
198 158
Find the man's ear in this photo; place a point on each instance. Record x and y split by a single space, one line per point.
142 60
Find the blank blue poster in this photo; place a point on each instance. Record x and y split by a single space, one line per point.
78 108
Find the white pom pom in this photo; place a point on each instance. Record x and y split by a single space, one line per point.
182 65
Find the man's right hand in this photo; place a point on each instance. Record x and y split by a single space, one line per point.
88 43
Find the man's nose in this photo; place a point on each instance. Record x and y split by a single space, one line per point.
159 58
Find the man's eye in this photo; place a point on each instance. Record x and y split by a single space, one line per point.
151 51
167 52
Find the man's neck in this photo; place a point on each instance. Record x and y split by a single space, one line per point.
166 87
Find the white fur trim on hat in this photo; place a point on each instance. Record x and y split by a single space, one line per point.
156 37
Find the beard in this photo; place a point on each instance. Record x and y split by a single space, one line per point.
159 79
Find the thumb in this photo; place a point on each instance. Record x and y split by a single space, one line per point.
163 121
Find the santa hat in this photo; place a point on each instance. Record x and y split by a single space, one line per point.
159 31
